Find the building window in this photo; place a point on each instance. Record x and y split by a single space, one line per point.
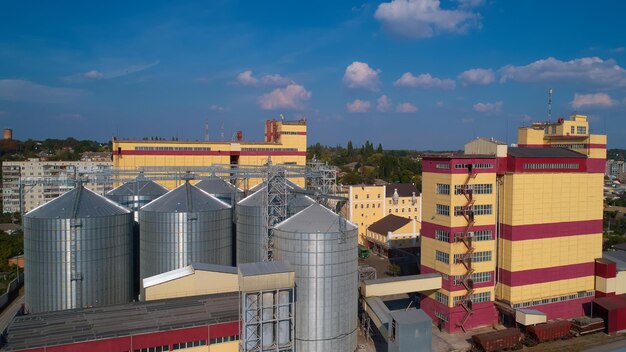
443 210
153 349
539 166
442 166
480 209
581 130
545 130
477 277
223 339
378 195
442 257
572 129
356 206
443 188
441 316
483 235
441 235
484 256
441 298
482 188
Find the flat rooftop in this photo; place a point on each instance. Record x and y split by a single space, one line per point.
87 324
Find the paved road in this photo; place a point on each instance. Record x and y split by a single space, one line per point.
9 312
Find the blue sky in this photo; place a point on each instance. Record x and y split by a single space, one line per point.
416 74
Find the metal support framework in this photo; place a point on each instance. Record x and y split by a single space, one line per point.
466 258
323 180
267 319
366 272
276 204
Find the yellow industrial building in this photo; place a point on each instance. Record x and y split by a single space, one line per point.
541 200
284 143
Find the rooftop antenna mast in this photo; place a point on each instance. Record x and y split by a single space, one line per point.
550 105
222 131
206 130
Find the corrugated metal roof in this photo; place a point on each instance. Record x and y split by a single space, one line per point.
619 257
255 199
299 200
316 218
400 278
411 316
214 268
89 324
290 185
524 152
185 198
80 202
217 186
264 268
139 188
294 199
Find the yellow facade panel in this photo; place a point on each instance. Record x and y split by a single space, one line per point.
545 290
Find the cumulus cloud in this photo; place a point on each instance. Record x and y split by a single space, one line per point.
27 91
292 96
589 70
597 100
477 76
424 80
359 106
425 18
383 103
406 107
95 75
488 107
359 75
246 78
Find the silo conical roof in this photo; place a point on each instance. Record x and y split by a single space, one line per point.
217 186
185 198
80 202
255 199
290 185
316 218
139 188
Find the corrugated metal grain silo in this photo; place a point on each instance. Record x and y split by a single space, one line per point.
251 223
183 226
322 248
136 193
78 253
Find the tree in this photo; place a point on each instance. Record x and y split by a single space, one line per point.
380 148
350 150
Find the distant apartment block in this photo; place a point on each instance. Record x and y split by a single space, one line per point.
614 168
35 172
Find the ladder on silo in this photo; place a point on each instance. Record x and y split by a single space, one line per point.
466 237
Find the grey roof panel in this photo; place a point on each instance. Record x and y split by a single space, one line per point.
300 200
263 268
315 219
139 188
554 152
255 199
217 186
80 202
214 267
185 198
411 316
290 185
87 324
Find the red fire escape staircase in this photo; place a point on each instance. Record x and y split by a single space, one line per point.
466 258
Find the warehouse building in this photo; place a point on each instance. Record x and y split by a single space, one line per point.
542 200
284 142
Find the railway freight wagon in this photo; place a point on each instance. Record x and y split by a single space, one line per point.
554 330
502 340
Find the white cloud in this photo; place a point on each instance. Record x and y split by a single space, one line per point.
27 91
383 103
440 104
424 18
597 99
589 70
292 96
424 80
93 74
219 108
618 49
526 118
488 107
406 107
470 3
359 75
359 106
246 78
477 76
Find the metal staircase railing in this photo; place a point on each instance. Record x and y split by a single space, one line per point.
466 258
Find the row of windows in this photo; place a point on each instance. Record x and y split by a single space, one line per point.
366 206
481 188
570 146
154 349
475 166
475 298
270 149
442 166
356 196
483 235
441 316
441 298
183 345
443 209
476 277
441 235
224 339
477 209
290 132
535 166
172 148
580 130
484 256
580 294
442 257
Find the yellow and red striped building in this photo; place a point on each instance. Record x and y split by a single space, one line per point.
541 201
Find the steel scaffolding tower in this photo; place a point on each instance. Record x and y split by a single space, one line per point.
276 196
